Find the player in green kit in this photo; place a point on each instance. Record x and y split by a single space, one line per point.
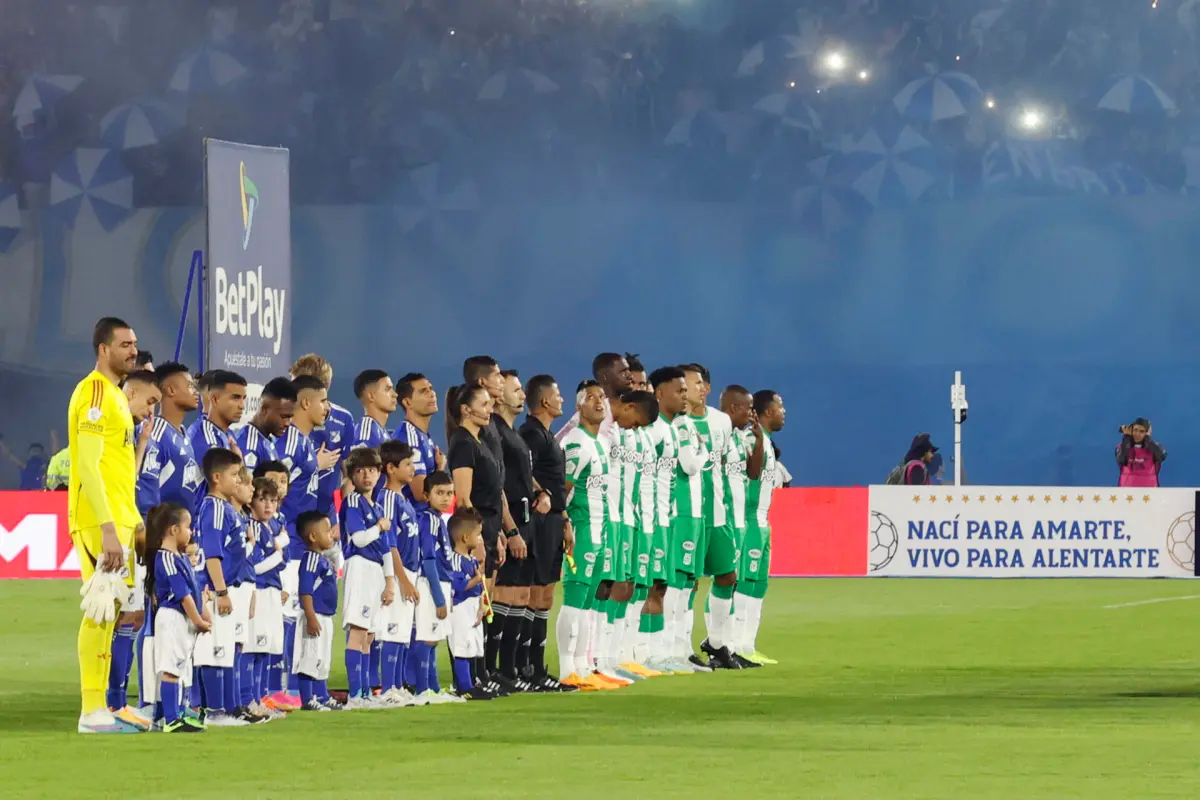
688 524
657 624
743 460
587 476
632 412
768 418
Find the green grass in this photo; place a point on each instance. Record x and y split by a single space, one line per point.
887 689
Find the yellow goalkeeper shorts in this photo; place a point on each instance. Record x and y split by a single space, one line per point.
89 547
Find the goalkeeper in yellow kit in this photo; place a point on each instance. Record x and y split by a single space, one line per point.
102 516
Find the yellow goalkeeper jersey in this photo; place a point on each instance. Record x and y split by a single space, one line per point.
100 421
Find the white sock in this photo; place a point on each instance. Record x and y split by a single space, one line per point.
583 666
755 619
566 631
690 620
670 622
641 641
719 619
604 644
741 624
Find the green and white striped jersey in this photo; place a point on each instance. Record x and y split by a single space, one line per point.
736 459
687 490
758 492
647 501
664 444
715 431
588 472
628 455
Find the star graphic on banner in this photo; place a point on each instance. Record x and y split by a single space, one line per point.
966 499
1095 498
1047 498
999 498
1016 499
1112 498
1145 498
949 499
1128 498
1079 498
933 498
916 498
1031 498
1063 498
982 498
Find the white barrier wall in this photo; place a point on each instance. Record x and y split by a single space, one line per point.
1031 532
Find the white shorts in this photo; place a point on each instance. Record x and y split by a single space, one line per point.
395 622
290 580
215 648
174 642
241 595
266 626
429 627
148 675
313 653
362 593
466 631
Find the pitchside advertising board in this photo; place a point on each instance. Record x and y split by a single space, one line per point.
248 276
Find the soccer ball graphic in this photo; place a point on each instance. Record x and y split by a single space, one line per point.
1181 541
883 542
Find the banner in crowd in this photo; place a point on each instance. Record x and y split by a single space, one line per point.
248 277
1031 531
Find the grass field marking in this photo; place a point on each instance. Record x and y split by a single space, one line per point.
1154 600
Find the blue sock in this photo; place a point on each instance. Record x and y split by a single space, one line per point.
124 638
259 666
401 663
462 674
354 672
245 668
289 642
419 657
391 657
410 672
158 707
139 652
230 686
213 679
196 690
306 689
170 701
375 675
274 673
322 690
434 683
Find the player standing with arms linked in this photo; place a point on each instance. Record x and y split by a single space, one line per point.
102 515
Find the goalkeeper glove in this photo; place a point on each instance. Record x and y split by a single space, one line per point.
100 594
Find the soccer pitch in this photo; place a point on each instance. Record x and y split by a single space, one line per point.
886 689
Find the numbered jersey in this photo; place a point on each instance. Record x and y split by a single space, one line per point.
758 492
741 444
588 470
716 432
664 449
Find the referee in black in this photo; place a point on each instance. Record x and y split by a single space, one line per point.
550 534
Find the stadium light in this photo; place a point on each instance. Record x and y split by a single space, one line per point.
990 102
834 62
864 75
1031 119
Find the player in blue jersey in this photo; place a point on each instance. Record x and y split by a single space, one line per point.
223 407
375 391
318 601
275 410
370 579
279 666
264 643
170 472
396 632
467 612
334 433
417 398
177 604
222 540
432 622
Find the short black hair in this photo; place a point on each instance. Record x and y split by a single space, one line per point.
308 383
105 329
603 362
279 389
646 402
404 386
703 370
144 357
462 520
393 452
305 522
367 378
439 477
635 363
218 379
736 388
696 368
168 369
219 459
763 399
535 388
510 373
264 468
476 368
361 458
664 375
142 376
586 383
204 381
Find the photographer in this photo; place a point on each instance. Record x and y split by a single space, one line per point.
1139 457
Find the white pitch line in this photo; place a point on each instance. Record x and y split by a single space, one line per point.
1155 600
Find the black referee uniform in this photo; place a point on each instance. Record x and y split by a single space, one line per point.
549 466
518 489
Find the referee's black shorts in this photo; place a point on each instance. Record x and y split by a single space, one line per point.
546 548
518 571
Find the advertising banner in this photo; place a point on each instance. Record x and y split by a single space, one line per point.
248 277
34 540
1031 531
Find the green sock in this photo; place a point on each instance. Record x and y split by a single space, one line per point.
620 611
610 609
641 593
646 624
657 622
723 592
